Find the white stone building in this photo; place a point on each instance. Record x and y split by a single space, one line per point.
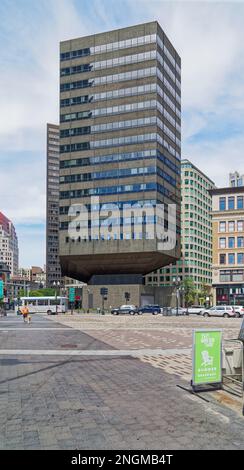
9 252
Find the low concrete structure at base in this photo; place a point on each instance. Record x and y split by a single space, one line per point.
139 295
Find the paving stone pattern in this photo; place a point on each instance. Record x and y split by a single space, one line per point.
102 402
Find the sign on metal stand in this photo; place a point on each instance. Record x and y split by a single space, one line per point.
72 298
71 294
206 359
1 289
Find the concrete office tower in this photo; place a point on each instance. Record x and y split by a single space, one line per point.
228 245
196 230
9 252
53 271
120 121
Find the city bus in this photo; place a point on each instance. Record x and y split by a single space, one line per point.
49 305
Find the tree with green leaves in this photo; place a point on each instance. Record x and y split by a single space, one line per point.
45 292
203 293
21 293
190 291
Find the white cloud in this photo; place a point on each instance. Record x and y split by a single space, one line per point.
31 242
193 124
209 38
217 159
22 189
29 88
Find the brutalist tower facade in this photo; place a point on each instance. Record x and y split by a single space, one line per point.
120 143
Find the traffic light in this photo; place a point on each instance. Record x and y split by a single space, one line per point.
127 296
104 291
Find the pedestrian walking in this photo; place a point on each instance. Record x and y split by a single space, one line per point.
25 313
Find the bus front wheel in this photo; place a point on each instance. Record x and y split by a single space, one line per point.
49 312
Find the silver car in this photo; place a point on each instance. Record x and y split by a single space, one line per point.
179 311
131 309
195 309
226 311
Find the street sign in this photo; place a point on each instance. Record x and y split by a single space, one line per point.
72 294
207 357
1 289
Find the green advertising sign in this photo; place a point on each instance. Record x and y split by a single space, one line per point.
1 289
71 294
207 360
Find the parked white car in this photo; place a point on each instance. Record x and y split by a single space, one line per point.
226 311
239 310
196 309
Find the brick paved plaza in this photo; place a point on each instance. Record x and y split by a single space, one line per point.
101 382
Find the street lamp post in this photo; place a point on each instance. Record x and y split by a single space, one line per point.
103 293
28 290
88 300
56 286
177 283
182 291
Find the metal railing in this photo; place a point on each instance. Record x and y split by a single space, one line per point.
233 367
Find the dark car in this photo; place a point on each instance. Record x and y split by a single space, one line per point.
154 309
131 309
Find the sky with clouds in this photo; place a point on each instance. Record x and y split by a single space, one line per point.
209 37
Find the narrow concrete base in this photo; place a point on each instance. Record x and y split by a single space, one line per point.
139 295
